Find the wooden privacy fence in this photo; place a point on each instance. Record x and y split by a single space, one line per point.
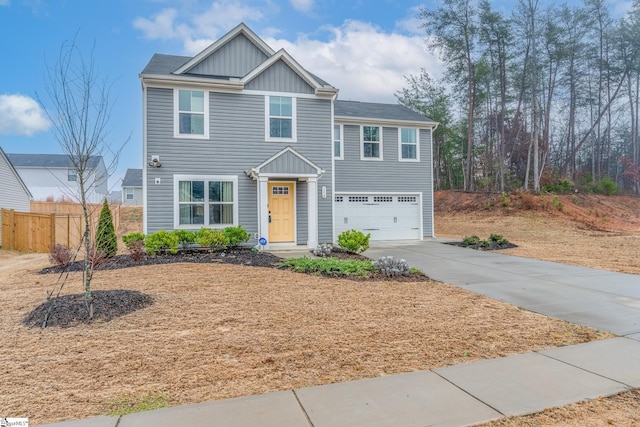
36 232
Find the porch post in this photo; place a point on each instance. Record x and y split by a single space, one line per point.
263 208
312 209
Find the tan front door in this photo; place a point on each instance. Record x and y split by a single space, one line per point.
281 212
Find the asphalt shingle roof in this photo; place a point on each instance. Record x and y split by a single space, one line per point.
47 160
372 110
164 64
133 178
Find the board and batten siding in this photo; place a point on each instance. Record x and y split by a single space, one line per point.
279 78
236 144
235 59
390 174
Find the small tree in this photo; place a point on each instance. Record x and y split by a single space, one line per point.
106 239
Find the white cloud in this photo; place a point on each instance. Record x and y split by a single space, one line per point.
364 62
21 115
199 28
302 5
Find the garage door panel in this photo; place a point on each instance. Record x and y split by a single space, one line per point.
385 217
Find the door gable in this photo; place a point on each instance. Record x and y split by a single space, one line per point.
287 162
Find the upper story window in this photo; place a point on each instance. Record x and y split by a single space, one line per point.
408 147
280 118
371 143
337 142
191 113
71 175
129 193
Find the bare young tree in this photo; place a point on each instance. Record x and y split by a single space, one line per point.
79 108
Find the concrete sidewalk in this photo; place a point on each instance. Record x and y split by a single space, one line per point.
464 394
453 396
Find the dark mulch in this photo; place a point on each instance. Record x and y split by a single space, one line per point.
493 246
342 254
70 310
240 256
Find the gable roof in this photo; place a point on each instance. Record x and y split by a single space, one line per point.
182 68
370 110
48 160
133 178
286 162
15 172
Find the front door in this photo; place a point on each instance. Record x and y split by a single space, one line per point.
281 212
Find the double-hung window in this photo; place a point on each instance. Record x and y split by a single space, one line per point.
280 118
71 175
337 142
408 147
191 116
206 201
129 193
371 143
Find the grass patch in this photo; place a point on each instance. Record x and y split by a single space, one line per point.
130 405
329 266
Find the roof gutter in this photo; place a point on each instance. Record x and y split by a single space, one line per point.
171 80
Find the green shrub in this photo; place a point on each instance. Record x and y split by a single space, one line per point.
354 241
212 238
106 239
470 240
557 203
236 235
606 186
132 237
161 241
504 200
185 237
498 239
561 186
329 266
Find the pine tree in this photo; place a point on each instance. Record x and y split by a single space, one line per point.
106 239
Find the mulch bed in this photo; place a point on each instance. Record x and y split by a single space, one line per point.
70 310
493 246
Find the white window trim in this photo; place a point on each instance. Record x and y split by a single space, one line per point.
417 159
294 120
371 159
333 140
176 114
127 192
176 203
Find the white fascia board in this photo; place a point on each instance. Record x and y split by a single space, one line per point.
165 80
241 28
345 120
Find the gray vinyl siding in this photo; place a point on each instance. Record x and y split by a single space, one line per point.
235 59
12 193
236 144
279 78
390 174
137 196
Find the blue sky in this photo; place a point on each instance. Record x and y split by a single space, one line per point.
363 47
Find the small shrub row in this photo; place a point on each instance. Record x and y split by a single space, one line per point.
354 241
329 266
173 241
476 242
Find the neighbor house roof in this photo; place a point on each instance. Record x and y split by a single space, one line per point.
133 178
372 110
15 172
164 64
48 160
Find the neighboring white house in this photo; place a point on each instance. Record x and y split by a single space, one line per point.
14 194
132 187
52 176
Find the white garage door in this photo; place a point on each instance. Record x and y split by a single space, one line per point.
385 216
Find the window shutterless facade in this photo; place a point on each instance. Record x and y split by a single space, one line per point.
191 113
280 118
408 145
206 201
370 142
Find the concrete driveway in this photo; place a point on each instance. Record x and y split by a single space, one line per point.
597 298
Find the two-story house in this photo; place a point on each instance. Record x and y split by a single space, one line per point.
243 135
53 176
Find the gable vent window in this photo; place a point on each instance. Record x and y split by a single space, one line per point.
407 199
280 118
383 199
358 199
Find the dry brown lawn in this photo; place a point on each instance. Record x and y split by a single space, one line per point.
218 331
